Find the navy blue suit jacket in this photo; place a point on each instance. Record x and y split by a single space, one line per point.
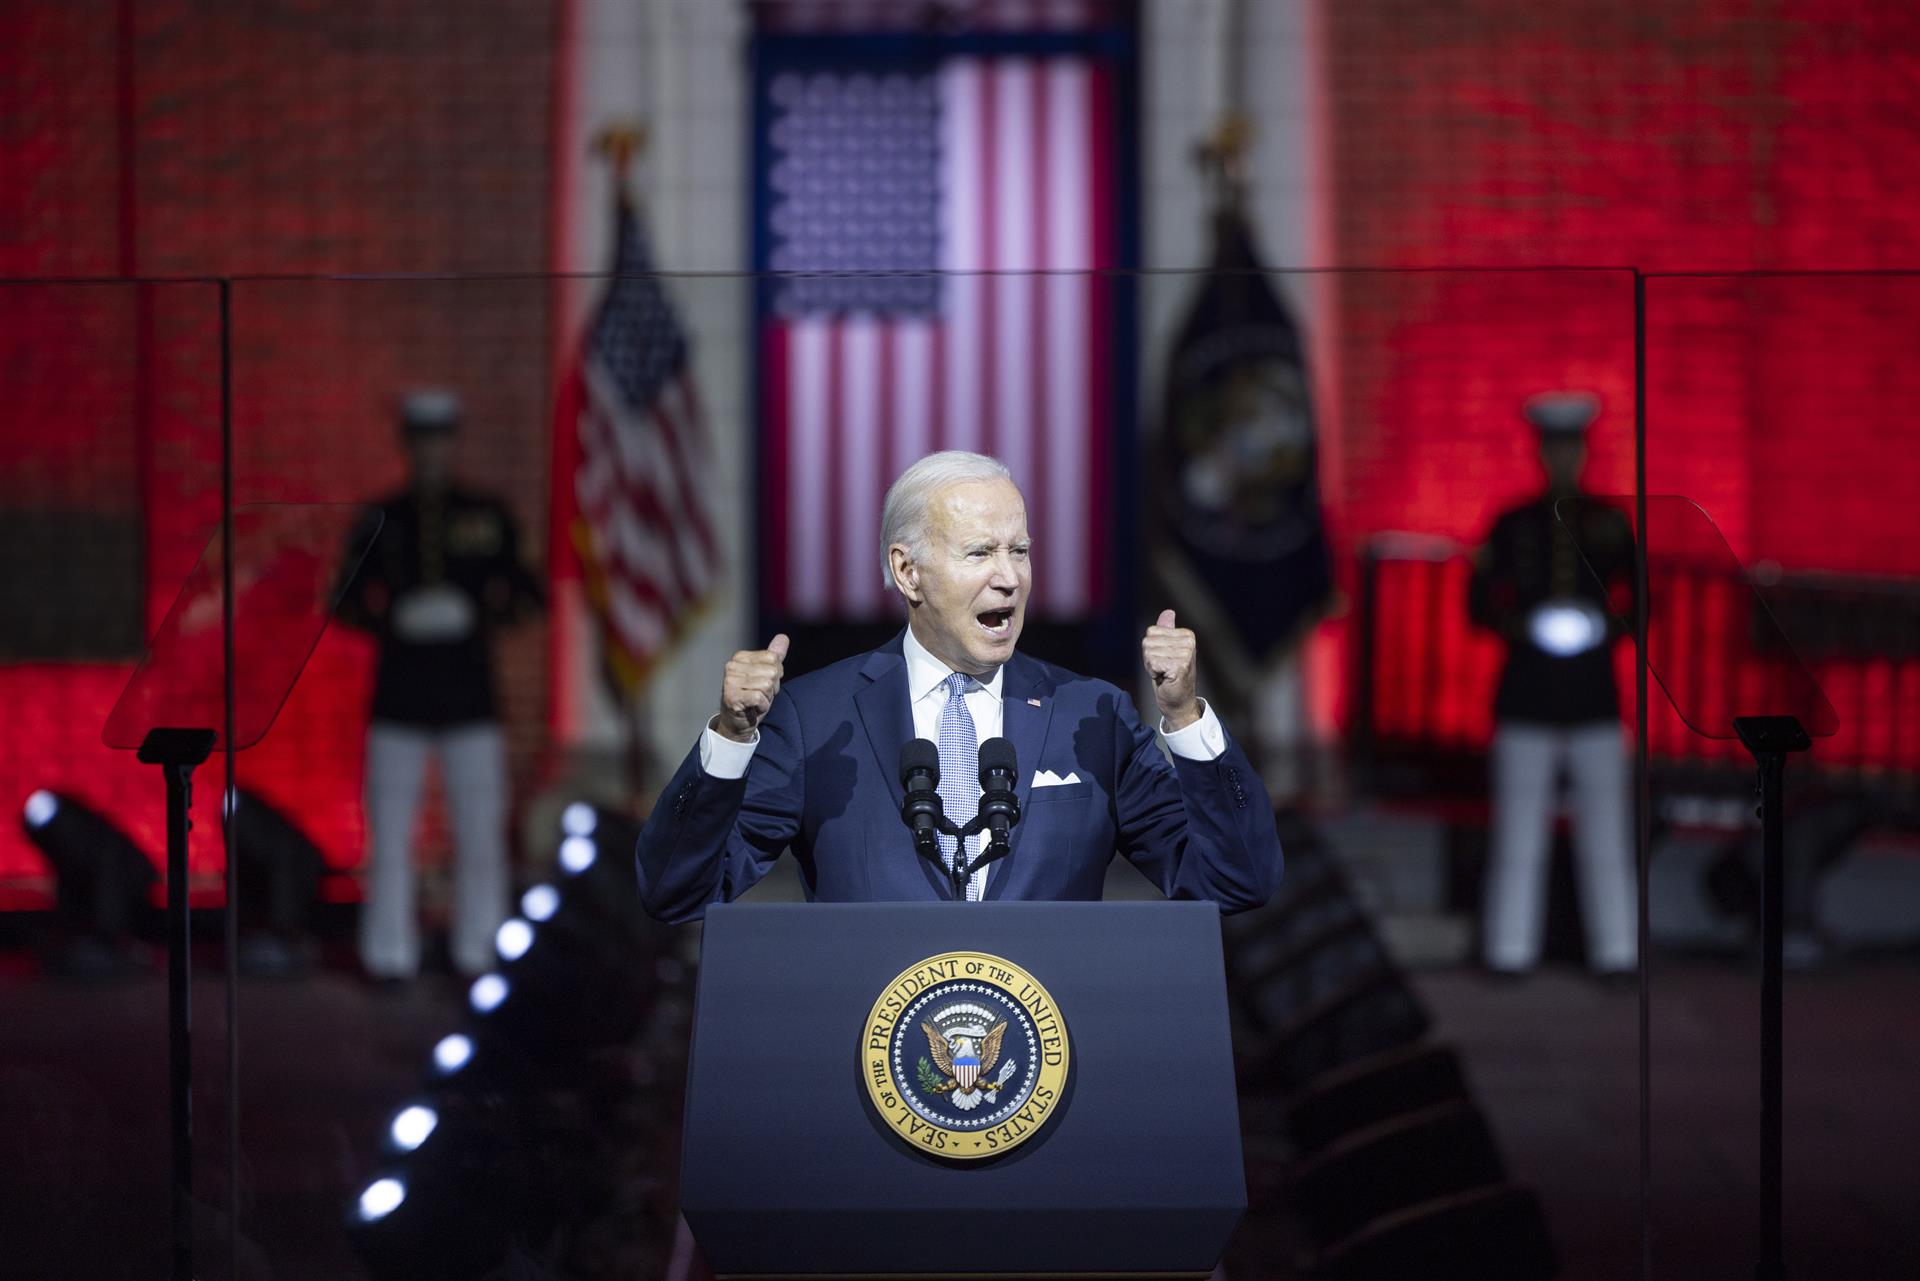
825 783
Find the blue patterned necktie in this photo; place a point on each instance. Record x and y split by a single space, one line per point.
960 771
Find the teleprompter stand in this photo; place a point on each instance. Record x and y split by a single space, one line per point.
177 752
226 655
1770 739
1779 711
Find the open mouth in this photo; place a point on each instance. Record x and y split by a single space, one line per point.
997 623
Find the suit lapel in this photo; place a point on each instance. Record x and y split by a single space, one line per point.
885 713
1025 726
887 716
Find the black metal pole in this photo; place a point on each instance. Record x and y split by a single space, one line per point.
1769 739
1642 786
177 751
227 792
1773 766
180 1017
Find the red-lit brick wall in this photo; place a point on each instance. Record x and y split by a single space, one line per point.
170 138
298 136
1696 137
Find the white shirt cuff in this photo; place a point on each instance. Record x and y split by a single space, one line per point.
721 757
1204 740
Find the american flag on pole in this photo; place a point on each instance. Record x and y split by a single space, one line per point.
642 528
952 213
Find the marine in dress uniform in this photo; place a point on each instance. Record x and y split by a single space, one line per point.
1557 707
442 577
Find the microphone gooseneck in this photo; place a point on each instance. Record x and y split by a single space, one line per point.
920 808
999 806
924 814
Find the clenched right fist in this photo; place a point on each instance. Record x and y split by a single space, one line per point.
746 693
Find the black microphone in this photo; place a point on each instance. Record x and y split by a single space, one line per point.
921 809
999 807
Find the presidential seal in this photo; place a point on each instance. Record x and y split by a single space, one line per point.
965 1056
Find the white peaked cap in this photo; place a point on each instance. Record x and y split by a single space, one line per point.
430 409
1562 413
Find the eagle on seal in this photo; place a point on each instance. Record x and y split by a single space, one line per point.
964 1060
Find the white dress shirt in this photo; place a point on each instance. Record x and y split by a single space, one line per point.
721 757
926 675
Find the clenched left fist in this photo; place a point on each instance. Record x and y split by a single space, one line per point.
1169 652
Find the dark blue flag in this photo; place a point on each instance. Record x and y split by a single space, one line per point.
1233 475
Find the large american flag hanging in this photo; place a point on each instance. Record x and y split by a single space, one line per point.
643 531
985 186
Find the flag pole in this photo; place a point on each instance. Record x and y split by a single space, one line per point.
1265 681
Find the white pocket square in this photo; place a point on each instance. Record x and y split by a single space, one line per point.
1047 778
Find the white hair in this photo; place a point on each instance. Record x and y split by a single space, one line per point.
903 519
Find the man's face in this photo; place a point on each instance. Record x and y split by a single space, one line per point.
969 592
430 458
1563 457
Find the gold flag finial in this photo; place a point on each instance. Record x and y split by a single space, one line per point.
620 142
1222 154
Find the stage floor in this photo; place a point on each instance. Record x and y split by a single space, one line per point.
1555 1062
325 1063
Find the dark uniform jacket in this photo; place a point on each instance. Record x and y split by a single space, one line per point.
1529 558
466 541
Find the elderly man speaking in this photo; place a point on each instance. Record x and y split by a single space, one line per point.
813 766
